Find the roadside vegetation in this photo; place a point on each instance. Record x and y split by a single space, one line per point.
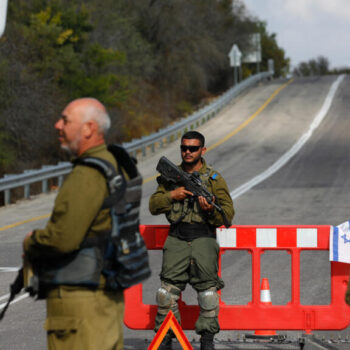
316 67
150 62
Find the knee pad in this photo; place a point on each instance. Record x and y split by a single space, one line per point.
208 301
167 297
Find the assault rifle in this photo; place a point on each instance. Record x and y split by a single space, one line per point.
191 182
24 279
15 288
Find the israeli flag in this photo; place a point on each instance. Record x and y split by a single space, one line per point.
339 243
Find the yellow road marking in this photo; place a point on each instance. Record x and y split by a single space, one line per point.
224 139
24 222
150 179
251 118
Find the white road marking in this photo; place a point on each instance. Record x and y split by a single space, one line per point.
6 296
21 297
296 147
9 269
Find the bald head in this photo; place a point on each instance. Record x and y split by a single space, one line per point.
83 125
91 109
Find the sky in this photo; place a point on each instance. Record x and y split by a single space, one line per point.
307 29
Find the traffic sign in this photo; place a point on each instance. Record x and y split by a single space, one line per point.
170 321
235 56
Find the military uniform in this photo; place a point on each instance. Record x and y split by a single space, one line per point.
79 317
190 253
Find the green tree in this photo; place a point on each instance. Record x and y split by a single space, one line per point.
149 61
59 39
315 66
7 157
50 60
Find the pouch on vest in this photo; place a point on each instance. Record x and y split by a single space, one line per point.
82 268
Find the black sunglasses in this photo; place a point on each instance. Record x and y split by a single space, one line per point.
190 148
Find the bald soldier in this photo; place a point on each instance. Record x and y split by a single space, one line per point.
78 316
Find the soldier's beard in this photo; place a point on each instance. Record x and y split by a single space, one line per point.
193 162
71 147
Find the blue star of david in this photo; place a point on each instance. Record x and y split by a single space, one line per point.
345 238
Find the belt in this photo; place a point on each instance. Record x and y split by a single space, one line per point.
189 232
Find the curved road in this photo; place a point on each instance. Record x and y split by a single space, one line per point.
249 136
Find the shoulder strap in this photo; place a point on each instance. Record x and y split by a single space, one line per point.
124 159
115 180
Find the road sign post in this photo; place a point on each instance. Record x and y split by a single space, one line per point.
235 61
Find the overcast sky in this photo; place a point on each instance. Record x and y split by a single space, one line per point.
308 28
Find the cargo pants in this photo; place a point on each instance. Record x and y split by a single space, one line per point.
83 319
196 263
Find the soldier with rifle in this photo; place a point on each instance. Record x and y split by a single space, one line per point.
83 312
196 200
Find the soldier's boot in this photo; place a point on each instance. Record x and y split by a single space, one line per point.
207 341
166 344
208 301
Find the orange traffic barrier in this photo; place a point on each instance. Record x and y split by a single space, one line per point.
265 298
257 315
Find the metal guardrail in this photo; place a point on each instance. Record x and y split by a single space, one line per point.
9 182
136 147
173 132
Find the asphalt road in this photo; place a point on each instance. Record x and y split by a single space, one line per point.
311 188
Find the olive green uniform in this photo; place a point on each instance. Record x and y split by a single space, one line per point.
79 317
190 253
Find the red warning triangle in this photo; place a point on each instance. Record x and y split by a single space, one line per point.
170 321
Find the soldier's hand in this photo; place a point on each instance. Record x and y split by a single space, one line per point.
205 206
180 194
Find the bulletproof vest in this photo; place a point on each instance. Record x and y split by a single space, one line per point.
120 254
189 208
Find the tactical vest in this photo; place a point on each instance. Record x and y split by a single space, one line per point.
120 254
188 211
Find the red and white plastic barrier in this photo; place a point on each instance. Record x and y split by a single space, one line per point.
257 315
